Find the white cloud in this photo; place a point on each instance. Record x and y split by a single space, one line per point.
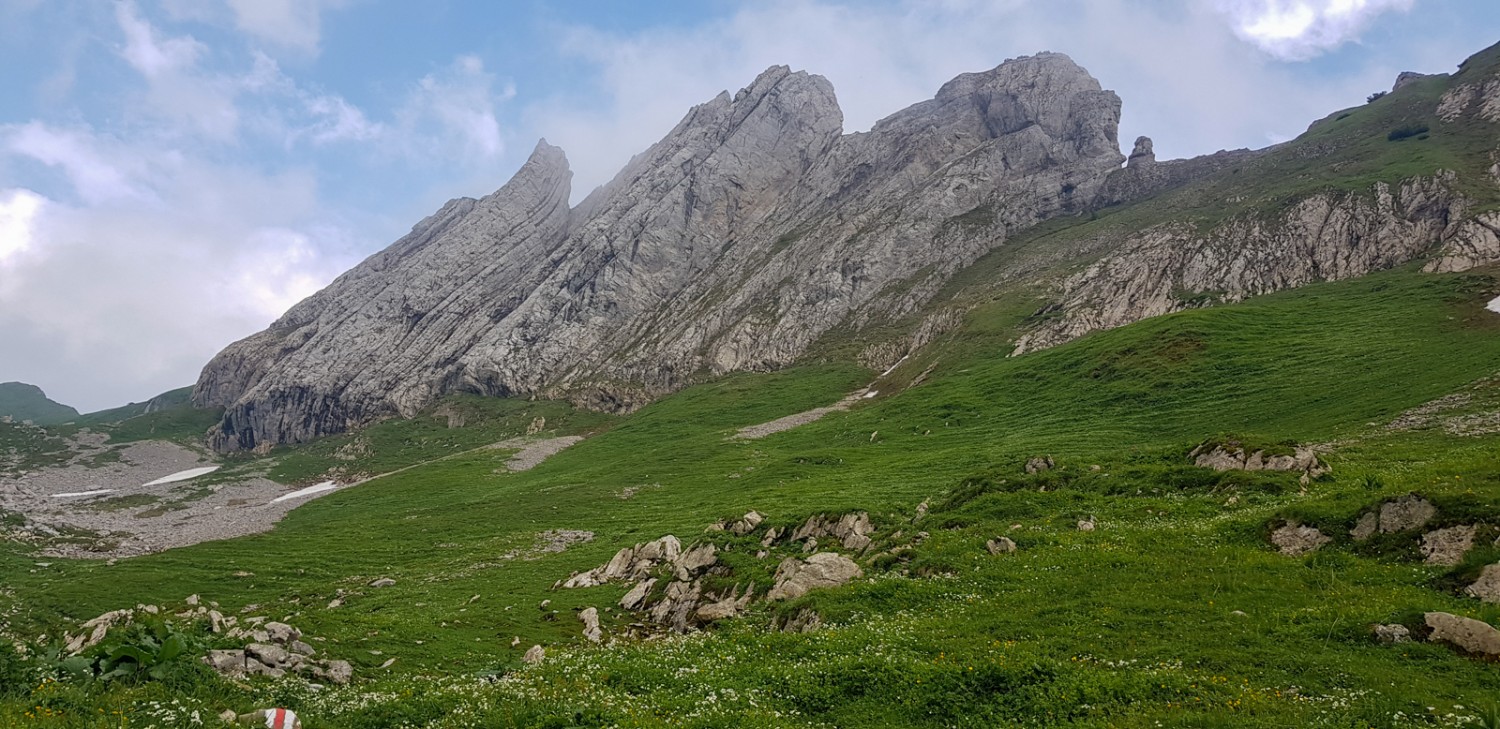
177 89
97 175
1297 30
18 213
294 24
452 112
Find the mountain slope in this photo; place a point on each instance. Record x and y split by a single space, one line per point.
755 236
20 402
732 244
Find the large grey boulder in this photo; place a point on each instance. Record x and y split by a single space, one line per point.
1469 635
796 577
1397 515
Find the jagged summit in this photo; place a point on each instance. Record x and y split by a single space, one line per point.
737 241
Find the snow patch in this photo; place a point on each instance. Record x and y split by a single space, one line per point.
95 492
189 474
871 394
893 367
1494 305
309 491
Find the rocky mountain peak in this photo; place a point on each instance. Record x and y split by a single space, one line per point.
748 232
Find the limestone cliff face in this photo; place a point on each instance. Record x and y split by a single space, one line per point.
751 230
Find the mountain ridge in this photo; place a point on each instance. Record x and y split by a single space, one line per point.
757 229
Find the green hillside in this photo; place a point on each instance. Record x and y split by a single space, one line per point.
20 402
1129 625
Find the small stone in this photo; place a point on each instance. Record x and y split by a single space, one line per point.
1001 545
388 663
302 649
1038 464
335 602
516 641
535 654
591 629
191 600
1086 525
383 582
1238 613
282 633
1392 633
339 672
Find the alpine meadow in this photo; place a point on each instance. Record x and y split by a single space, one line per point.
967 420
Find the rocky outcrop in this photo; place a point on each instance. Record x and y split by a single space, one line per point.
1144 176
734 243
1407 78
1322 237
1234 457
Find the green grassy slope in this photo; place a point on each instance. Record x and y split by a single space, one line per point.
23 402
1129 625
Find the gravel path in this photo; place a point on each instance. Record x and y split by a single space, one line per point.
754 432
534 451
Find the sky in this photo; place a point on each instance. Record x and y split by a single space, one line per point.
174 174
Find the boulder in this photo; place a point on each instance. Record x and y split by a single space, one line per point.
1000 545
1487 587
282 633
1366 527
1232 457
1466 634
338 672
746 524
302 649
535 654
636 598
591 629
695 560
1037 464
226 662
1392 633
795 577
1086 525
1408 512
1447 547
853 530
272 655
1295 539
803 621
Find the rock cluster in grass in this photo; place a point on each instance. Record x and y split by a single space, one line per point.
276 649
1233 457
671 590
270 648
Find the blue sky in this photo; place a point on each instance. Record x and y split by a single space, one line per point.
175 173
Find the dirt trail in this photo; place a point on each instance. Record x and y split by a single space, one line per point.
754 432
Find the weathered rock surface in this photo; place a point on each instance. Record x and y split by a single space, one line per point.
796 577
1397 515
1232 457
1295 540
1392 633
1487 587
1447 546
1466 634
591 629
735 242
852 530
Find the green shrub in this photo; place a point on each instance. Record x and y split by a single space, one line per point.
1401 133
